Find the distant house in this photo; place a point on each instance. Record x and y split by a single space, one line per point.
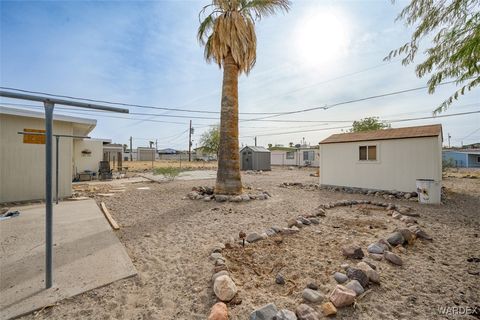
463 158
145 154
255 158
295 156
201 154
390 159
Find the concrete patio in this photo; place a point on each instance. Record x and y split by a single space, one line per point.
87 255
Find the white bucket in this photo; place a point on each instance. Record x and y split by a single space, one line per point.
429 191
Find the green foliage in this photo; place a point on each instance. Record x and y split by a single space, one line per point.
368 124
455 49
169 172
450 163
210 140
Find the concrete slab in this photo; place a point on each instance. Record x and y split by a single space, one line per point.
87 255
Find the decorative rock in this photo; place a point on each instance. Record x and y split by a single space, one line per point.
270 232
320 212
407 219
291 230
305 221
407 235
385 244
314 221
218 247
328 309
355 286
245 197
393 258
375 256
312 286
395 238
267 312
279 279
396 215
219 262
357 274
219 311
403 209
221 198
342 296
344 266
218 274
216 255
252 237
285 314
224 288
305 312
372 275
312 295
353 252
407 195
422 235
236 199
276 229
340 277
375 248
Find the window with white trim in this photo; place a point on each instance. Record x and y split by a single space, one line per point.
290 155
367 153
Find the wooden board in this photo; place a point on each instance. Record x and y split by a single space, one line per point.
34 138
107 214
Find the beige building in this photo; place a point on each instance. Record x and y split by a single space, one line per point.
22 157
292 156
87 154
391 159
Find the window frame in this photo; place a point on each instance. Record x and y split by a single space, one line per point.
367 158
290 157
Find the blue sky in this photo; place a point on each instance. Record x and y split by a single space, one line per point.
146 52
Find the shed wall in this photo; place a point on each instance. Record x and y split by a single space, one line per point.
261 161
399 163
22 166
84 162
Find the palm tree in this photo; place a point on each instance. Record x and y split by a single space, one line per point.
228 34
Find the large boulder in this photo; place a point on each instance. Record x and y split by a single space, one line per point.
224 288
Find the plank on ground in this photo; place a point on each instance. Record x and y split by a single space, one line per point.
109 217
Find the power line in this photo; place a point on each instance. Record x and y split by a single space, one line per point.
345 127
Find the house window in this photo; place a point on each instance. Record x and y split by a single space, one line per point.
367 153
290 155
478 159
308 155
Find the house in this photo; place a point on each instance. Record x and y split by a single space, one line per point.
462 158
295 156
87 154
390 159
202 154
255 158
22 157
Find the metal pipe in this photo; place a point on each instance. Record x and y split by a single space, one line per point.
64 102
48 195
55 135
57 138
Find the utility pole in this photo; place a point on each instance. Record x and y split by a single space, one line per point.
190 132
131 150
449 136
255 141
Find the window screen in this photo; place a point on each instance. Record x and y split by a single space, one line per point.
363 153
372 152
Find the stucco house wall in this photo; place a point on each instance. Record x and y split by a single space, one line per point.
400 162
87 162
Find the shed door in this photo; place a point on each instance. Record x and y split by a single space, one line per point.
247 160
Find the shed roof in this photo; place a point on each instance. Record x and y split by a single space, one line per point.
256 149
386 134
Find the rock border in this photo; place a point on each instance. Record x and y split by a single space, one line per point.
358 277
208 194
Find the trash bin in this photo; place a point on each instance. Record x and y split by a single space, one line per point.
429 191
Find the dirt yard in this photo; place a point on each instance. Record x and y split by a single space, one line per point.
140 166
170 240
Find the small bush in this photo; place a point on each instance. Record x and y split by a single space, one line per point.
169 172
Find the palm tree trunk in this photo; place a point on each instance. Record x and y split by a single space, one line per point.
228 173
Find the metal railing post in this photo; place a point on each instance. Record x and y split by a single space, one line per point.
48 194
57 140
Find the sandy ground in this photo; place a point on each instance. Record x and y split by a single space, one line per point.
169 241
